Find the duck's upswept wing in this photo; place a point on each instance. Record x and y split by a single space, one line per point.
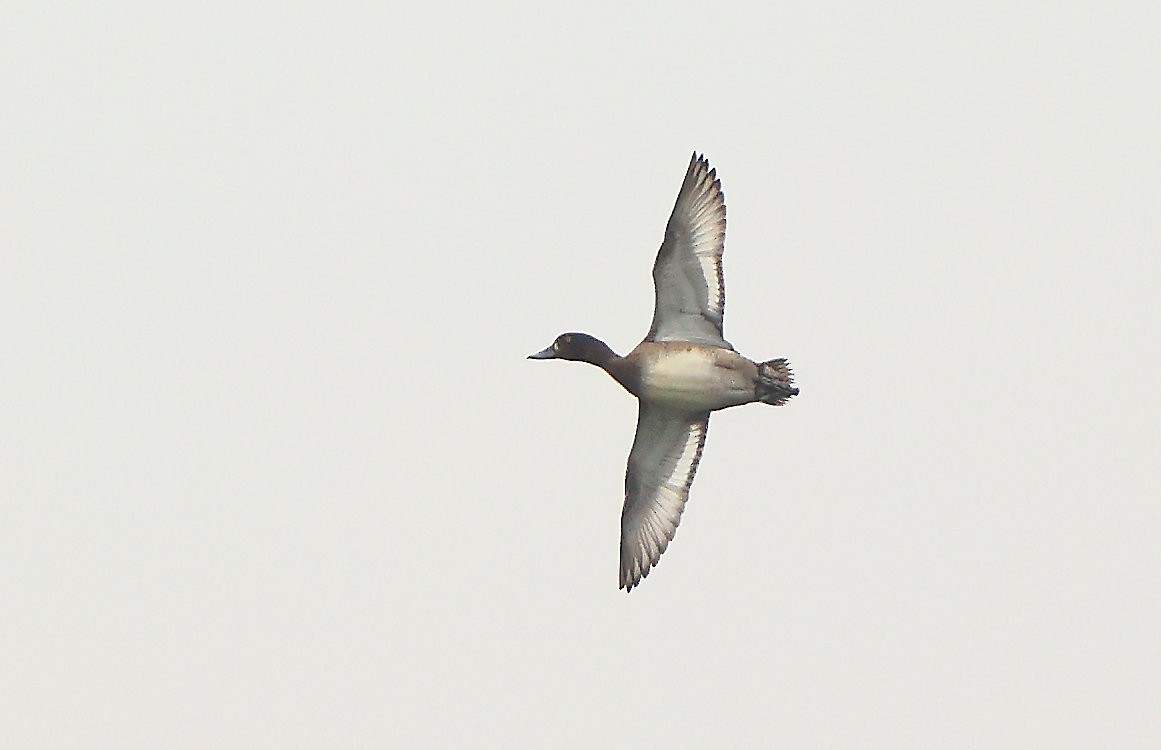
662 463
687 275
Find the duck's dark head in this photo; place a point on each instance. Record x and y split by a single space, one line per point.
578 347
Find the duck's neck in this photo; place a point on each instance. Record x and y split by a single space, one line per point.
598 353
611 362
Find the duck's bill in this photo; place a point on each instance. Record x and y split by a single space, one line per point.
543 354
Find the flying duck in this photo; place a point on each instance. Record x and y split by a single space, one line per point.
683 370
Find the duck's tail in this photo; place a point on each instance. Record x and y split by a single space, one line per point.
775 382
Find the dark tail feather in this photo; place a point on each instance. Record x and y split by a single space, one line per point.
775 382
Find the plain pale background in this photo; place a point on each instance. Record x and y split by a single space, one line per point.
274 471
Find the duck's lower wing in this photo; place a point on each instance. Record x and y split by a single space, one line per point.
664 458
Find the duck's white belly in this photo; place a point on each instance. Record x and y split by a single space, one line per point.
695 380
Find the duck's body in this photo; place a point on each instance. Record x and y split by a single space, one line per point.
682 371
687 377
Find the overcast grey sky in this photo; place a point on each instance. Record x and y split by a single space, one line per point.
274 471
